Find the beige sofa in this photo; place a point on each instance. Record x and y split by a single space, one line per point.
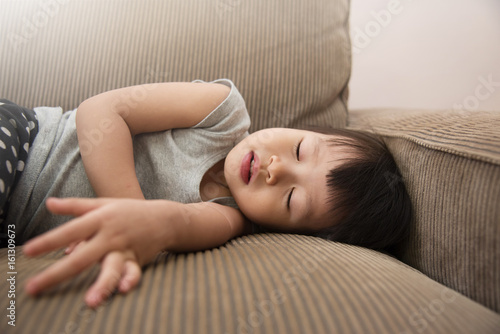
291 61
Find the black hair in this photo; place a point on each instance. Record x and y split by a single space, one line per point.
368 202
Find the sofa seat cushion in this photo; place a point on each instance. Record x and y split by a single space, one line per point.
290 60
263 283
450 162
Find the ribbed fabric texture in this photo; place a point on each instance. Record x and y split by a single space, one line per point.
289 59
291 62
274 283
450 162
470 134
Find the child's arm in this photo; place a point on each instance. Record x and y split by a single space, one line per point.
110 230
107 122
126 234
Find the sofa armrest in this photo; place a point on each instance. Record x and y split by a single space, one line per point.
450 163
470 134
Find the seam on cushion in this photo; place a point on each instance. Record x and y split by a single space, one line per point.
467 155
426 144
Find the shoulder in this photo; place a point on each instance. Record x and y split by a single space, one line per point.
230 113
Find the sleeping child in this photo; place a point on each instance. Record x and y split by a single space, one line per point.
172 167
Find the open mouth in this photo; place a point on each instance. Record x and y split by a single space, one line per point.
247 167
250 172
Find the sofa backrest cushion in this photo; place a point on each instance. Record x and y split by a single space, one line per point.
291 60
450 163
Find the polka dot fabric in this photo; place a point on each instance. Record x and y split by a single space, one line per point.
18 128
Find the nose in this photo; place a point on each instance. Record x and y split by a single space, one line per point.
276 170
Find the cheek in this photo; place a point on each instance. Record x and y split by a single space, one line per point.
232 167
232 170
258 208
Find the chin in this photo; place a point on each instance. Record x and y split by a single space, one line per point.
231 172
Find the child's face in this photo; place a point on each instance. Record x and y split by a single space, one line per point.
278 178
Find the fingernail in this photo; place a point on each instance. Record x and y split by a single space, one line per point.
26 249
125 286
31 287
93 300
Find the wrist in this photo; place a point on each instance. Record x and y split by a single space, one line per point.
166 215
121 191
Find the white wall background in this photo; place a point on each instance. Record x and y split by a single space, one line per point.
437 54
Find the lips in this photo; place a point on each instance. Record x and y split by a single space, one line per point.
249 167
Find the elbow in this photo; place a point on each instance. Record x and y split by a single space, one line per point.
86 108
97 111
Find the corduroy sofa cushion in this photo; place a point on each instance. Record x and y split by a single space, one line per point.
450 162
291 60
274 283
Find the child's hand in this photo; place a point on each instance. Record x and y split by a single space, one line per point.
116 273
121 234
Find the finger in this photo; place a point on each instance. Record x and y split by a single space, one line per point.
78 229
73 246
70 248
67 267
112 268
74 206
131 276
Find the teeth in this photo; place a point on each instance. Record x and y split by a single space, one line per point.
251 169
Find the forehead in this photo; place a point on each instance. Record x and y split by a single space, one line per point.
273 135
328 156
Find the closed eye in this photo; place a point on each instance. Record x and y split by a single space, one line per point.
297 150
289 198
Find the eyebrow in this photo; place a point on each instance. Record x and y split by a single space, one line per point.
316 154
316 148
308 208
